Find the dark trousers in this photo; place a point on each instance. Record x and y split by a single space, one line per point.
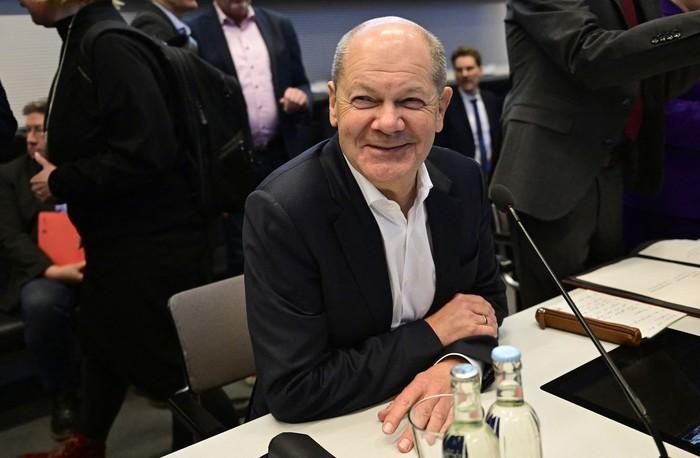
48 310
587 236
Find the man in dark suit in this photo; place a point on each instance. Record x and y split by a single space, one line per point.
473 117
45 293
163 19
370 260
586 108
280 68
260 48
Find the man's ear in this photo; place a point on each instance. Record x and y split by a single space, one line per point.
442 107
331 105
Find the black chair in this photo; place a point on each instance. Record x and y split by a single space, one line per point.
212 328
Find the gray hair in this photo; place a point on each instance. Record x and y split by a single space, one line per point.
437 51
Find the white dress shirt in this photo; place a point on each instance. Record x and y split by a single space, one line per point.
483 117
408 249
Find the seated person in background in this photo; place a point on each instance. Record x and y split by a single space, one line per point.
163 19
45 293
472 120
370 260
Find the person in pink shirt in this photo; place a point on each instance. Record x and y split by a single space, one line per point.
260 47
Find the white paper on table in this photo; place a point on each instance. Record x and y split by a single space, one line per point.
649 319
666 281
679 250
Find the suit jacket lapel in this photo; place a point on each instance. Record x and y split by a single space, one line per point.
216 37
443 220
272 43
359 236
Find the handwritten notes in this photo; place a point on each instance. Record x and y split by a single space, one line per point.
649 319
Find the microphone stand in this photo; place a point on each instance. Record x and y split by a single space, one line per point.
634 401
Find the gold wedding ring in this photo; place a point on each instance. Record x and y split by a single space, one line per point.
486 320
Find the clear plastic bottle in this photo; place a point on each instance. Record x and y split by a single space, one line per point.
469 435
513 420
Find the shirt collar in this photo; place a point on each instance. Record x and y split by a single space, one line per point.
223 19
373 195
476 95
177 23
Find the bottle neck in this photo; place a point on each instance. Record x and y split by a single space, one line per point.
467 400
509 387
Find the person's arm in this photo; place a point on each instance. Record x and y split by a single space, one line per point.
16 242
141 142
596 51
8 123
297 97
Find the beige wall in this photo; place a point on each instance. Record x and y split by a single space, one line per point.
29 53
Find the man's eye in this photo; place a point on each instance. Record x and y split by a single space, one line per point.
413 104
363 102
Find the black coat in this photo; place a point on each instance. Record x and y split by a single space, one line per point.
122 171
18 228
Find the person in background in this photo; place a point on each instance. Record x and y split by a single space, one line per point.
45 293
675 212
260 47
370 265
584 119
472 120
163 19
118 163
8 126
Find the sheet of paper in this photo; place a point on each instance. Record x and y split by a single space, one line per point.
662 280
649 319
681 250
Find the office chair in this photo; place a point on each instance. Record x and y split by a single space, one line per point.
504 254
212 328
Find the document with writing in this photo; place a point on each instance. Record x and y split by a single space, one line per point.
658 282
649 319
679 250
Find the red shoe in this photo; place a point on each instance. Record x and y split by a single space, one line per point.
76 446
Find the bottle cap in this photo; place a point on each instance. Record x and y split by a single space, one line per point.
505 354
464 371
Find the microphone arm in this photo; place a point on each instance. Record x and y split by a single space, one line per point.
503 199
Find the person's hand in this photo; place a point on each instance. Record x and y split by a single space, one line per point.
40 181
435 380
67 273
464 316
294 100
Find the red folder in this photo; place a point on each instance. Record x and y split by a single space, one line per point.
59 239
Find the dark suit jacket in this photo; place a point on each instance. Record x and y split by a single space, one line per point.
456 133
154 22
576 72
318 291
285 59
18 228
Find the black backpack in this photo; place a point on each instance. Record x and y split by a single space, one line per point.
210 112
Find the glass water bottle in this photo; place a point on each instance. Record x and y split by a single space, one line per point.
469 435
513 420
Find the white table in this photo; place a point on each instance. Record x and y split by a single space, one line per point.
567 430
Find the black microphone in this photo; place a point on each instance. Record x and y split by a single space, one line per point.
503 200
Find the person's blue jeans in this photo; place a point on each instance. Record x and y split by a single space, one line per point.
48 310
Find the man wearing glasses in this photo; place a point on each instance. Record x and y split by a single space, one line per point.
44 293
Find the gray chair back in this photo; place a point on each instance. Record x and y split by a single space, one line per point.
212 326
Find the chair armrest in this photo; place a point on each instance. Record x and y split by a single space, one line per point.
193 416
